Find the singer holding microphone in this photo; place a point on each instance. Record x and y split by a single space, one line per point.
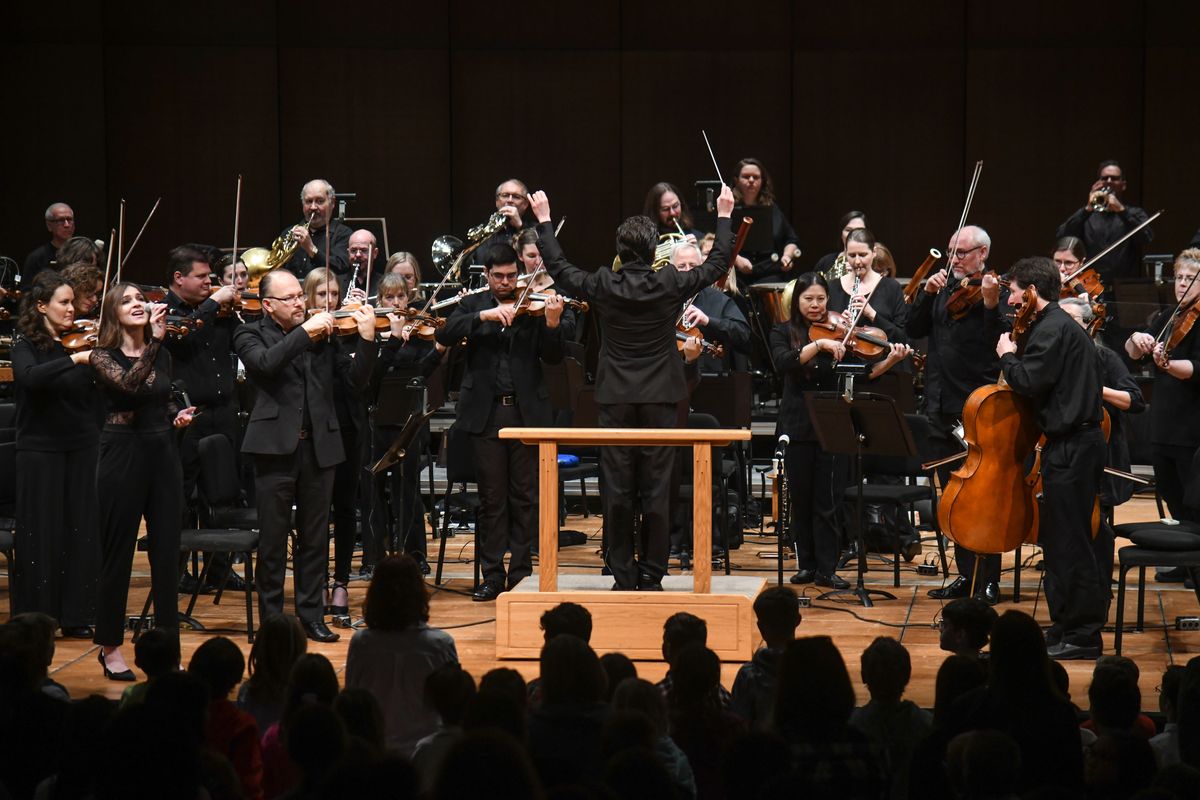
139 473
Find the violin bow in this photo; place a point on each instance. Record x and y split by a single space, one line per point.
1163 335
328 266
1087 264
120 239
104 291
965 212
237 218
138 238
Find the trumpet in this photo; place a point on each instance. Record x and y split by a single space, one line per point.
1099 199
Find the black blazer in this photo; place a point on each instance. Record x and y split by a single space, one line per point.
529 342
638 308
275 363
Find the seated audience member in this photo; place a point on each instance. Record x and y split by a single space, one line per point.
645 698
316 742
219 663
813 703
396 652
38 630
777 611
487 764
80 758
618 668
362 718
506 681
700 723
156 652
1114 694
278 644
31 721
1166 744
449 690
965 626
679 631
312 682
570 618
564 734
894 724
983 764
957 676
1118 765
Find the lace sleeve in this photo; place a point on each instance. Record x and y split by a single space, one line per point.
132 381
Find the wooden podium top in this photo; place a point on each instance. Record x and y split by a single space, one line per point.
628 436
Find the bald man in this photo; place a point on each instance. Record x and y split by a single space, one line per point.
317 203
60 222
364 257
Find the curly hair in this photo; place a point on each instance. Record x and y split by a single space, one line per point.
80 250
397 598
31 323
85 279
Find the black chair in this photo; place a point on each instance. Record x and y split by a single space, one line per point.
728 398
904 496
1154 545
8 511
459 460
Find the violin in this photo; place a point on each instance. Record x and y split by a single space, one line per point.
682 334
869 344
81 335
1085 281
966 295
179 327
423 326
344 323
152 294
1175 331
535 305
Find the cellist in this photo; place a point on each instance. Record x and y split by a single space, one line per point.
1059 374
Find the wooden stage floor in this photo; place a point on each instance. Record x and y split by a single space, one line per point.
911 618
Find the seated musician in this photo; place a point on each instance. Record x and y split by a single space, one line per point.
531 258
879 301
1059 374
512 200
364 256
234 275
1069 254
60 224
407 265
666 206
834 264
807 363
754 188
716 315
885 262
87 281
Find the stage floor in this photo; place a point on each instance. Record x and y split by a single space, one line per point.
911 618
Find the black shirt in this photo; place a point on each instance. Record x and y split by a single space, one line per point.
798 378
339 251
204 358
137 392
782 235
1173 417
1115 375
891 312
41 257
1099 229
726 326
962 353
58 408
1059 372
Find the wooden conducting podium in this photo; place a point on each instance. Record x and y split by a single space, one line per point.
629 622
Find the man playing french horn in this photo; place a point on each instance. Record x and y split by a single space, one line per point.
316 204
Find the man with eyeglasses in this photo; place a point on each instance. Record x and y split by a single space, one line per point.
962 357
60 222
1104 219
512 200
317 201
504 387
364 255
294 437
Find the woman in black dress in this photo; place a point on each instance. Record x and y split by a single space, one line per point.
139 474
57 445
880 298
754 188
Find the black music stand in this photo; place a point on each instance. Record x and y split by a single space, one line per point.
858 424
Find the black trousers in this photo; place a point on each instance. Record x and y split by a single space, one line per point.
1172 472
1076 590
965 557
637 473
57 541
394 497
346 478
280 481
812 483
139 476
507 476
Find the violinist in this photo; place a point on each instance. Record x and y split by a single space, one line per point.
504 387
807 363
295 438
666 206
87 282
321 287
1059 374
640 377
851 220
531 258
138 474
234 275
961 358
407 265
401 351
716 315
57 446
754 188
878 301
1068 256
1174 423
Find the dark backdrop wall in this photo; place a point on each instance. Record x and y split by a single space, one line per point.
422 108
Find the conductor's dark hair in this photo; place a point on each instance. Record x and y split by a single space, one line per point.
636 239
499 253
1040 273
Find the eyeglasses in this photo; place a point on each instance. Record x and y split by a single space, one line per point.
510 196
1112 178
963 253
62 220
1062 262
289 299
504 278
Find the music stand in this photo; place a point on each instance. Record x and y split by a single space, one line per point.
857 424
397 449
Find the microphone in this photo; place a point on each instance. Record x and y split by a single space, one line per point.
180 388
781 446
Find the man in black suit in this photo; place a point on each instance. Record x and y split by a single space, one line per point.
640 375
294 437
503 387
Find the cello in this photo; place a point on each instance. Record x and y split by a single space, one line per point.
988 504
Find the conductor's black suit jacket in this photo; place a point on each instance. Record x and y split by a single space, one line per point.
276 363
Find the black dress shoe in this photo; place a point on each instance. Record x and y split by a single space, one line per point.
235 583
318 631
422 562
832 581
1053 635
1173 575
955 590
990 593
803 576
487 592
78 632
1065 651
648 584
123 675
188 584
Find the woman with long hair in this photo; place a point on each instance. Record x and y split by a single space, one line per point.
139 474
754 187
57 445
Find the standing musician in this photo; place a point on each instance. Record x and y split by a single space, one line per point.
851 220
715 314
57 446
512 201
234 275
295 438
1174 423
879 301
504 387
139 473
807 363
1068 255
961 358
317 204
666 206
639 377
60 223
1104 219
754 188
1059 374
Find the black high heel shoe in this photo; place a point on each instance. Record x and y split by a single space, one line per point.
123 675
